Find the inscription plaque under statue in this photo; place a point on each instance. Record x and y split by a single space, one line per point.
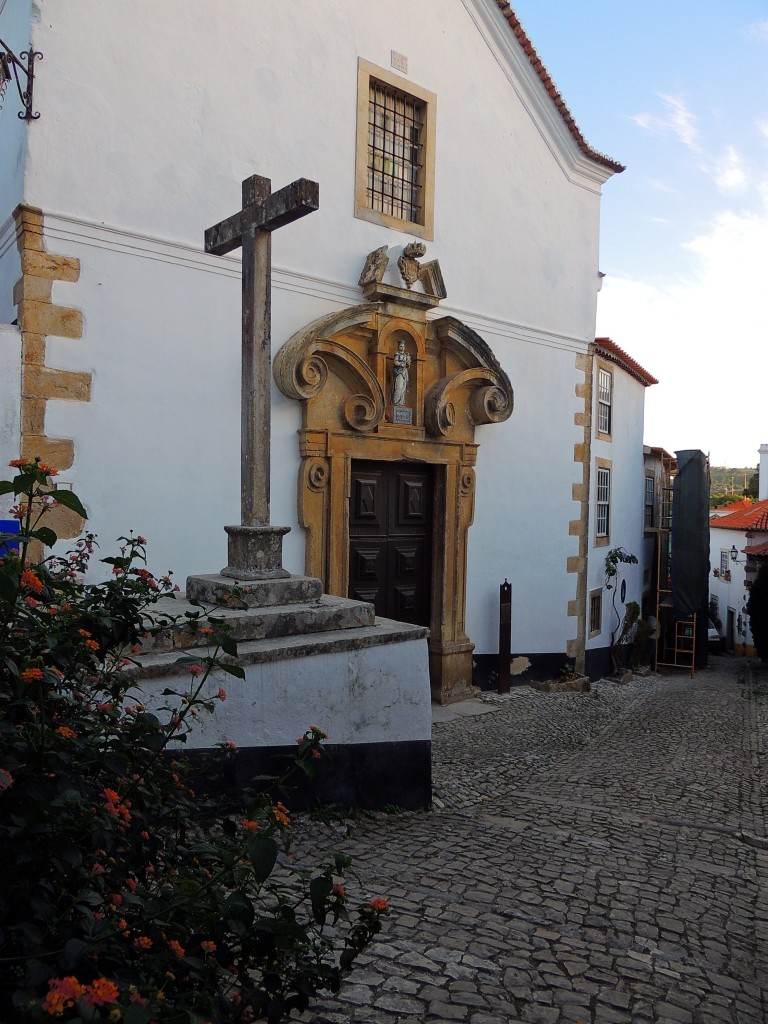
402 415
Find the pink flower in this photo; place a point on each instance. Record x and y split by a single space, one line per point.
222 694
6 780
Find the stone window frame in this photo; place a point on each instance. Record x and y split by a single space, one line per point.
603 467
595 612
366 73
604 410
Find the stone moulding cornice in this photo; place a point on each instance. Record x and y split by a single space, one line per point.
300 367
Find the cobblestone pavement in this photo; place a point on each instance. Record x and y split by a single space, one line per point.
593 858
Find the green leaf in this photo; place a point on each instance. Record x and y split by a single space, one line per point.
237 907
137 1014
24 483
70 500
46 535
74 950
234 670
228 645
262 851
6 486
320 888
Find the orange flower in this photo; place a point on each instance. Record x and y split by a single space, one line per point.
92 644
249 826
17 463
208 946
48 470
66 732
29 580
177 948
380 905
222 694
143 942
31 675
281 814
30 602
101 992
64 992
84 632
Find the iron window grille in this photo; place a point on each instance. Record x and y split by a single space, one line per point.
395 152
595 612
604 401
603 502
724 562
650 489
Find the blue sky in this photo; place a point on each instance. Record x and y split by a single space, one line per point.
678 91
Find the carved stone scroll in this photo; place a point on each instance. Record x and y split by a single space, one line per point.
489 401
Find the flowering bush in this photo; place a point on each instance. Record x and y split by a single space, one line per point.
126 896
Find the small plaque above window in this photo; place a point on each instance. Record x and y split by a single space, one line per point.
399 61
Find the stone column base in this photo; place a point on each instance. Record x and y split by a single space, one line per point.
255 552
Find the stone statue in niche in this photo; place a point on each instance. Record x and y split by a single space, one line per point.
400 375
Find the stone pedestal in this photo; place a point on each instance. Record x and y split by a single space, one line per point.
255 552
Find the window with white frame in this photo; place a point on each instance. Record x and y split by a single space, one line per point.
603 509
649 500
595 612
394 183
604 401
724 562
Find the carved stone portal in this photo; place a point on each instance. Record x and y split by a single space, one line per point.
340 368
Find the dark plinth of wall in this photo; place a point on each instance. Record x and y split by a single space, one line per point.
542 667
355 776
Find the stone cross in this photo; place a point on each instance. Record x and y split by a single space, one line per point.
255 547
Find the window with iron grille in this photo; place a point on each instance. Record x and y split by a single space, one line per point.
604 401
724 562
395 162
650 493
595 612
395 152
603 502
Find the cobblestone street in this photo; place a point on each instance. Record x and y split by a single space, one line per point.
594 857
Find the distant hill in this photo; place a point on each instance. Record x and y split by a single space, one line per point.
729 479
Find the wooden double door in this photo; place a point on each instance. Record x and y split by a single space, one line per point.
390 538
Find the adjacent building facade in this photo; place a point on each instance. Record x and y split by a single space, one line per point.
442 417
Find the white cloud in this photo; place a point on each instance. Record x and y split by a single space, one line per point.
759 29
676 119
662 186
705 338
729 172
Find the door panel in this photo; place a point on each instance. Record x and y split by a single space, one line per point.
390 547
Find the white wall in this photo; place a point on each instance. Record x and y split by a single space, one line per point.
358 696
625 451
731 593
15 29
10 394
176 104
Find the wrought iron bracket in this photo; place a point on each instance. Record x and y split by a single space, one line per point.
10 66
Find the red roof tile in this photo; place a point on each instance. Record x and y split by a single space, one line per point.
611 351
757 550
557 99
753 518
734 506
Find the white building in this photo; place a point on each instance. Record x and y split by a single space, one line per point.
738 542
124 370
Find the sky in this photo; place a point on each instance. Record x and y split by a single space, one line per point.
678 92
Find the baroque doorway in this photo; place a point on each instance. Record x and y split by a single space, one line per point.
387 481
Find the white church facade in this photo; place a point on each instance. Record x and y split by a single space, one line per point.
457 229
